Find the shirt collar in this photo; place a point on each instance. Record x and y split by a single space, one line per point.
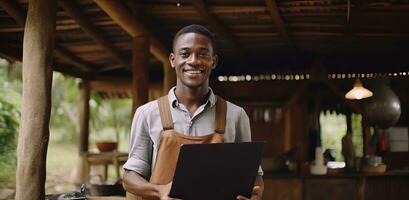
174 101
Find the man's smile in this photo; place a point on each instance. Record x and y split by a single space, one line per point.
192 71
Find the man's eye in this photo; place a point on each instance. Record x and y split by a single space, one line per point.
204 54
184 54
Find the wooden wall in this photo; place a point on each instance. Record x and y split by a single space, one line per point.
292 130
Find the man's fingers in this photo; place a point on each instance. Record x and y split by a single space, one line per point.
256 190
255 193
241 198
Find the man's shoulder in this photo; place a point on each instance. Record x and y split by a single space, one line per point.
232 107
148 107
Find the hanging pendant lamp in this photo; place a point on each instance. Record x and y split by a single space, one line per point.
358 92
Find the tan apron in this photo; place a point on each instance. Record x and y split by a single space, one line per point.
170 142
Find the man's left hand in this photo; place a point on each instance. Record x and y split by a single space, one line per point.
256 194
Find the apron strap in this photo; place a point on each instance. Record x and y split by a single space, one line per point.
165 114
220 119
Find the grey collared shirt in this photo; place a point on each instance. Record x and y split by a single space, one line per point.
147 128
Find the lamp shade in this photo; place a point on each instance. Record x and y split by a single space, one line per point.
358 91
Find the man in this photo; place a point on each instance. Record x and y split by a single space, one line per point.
190 113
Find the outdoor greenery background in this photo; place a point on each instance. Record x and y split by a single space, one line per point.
334 127
110 119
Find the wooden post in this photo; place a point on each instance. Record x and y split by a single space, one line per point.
140 72
169 78
84 117
140 80
38 46
288 123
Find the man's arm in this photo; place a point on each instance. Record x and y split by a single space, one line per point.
258 189
137 185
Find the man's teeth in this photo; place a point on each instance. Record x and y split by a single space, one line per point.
193 71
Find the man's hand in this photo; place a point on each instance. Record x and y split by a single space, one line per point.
164 191
256 194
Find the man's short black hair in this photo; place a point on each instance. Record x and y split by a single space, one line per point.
194 28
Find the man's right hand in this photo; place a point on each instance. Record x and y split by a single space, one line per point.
139 186
164 191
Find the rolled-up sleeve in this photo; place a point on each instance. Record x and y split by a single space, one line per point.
244 131
140 146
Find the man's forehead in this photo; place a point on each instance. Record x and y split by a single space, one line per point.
186 40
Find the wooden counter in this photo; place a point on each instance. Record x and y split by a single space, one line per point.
348 186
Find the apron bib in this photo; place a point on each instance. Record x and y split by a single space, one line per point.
170 142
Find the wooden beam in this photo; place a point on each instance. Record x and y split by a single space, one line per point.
74 10
33 137
9 52
18 14
220 28
105 86
354 13
71 58
133 27
14 10
277 19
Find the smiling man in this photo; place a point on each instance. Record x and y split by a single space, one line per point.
190 113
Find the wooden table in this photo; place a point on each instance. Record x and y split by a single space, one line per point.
117 159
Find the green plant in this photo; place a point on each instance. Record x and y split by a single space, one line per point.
9 122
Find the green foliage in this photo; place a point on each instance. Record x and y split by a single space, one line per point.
357 134
9 123
110 119
334 127
10 101
64 121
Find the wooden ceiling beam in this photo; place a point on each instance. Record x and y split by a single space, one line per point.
71 7
277 19
9 52
105 86
14 10
19 14
71 58
133 27
219 27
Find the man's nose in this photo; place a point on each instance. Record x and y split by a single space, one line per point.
193 59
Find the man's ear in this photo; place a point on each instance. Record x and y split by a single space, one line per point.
172 60
215 60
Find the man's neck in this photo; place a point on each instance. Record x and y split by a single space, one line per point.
192 98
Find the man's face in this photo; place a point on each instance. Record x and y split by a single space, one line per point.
193 59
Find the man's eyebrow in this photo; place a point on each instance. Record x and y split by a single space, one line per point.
187 49
184 49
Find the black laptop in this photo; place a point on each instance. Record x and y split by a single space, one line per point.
218 171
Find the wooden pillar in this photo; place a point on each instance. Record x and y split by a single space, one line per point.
140 72
288 123
169 78
84 116
140 80
38 46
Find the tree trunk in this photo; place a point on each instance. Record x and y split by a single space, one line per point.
36 103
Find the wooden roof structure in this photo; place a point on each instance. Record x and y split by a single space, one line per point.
94 38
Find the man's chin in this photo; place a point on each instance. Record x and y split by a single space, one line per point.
193 84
